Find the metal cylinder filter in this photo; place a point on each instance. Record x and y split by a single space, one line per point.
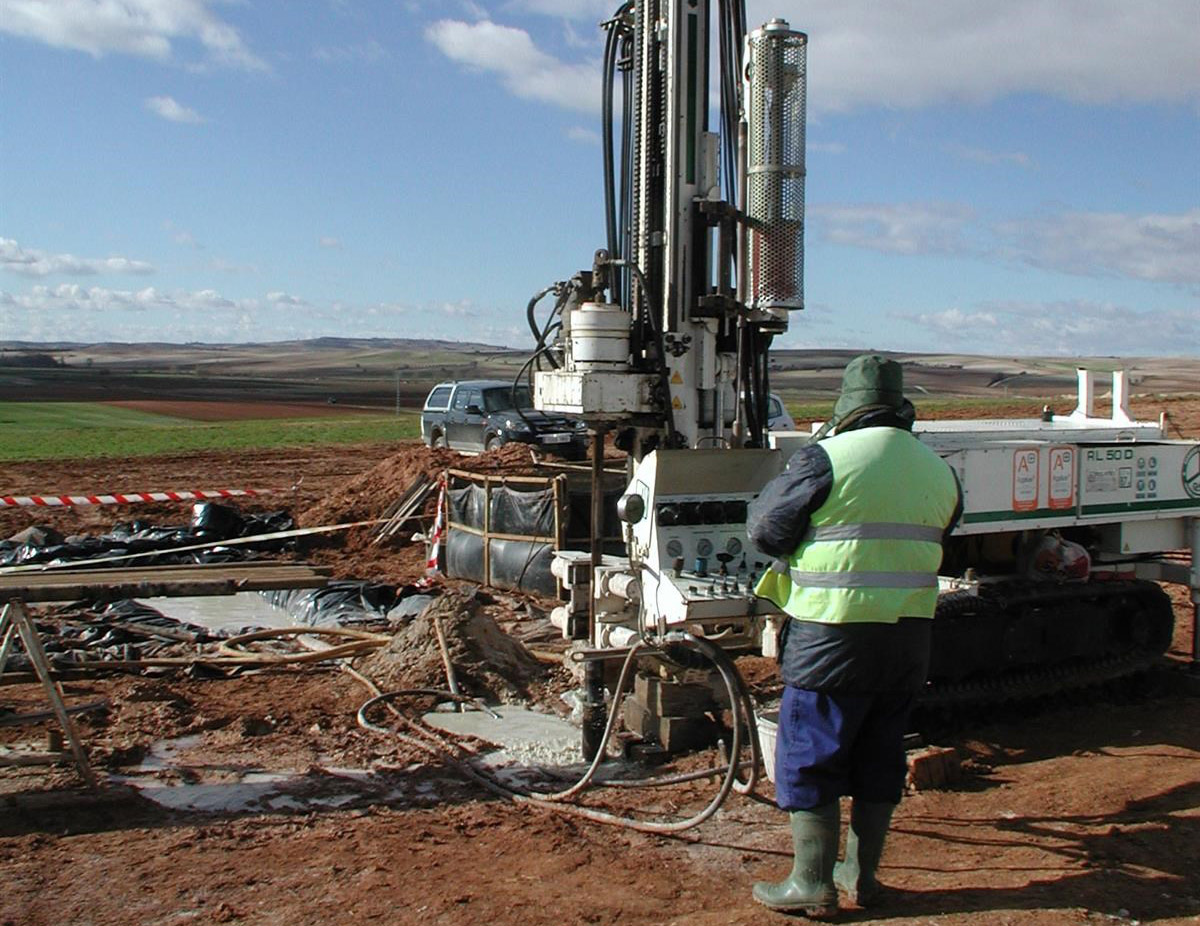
775 105
600 337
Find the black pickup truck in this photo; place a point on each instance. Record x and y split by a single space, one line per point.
483 414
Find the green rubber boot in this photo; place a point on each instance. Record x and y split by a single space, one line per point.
869 822
809 889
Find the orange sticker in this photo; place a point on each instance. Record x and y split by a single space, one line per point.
1025 479
1062 477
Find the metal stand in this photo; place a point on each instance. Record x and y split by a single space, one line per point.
595 712
15 619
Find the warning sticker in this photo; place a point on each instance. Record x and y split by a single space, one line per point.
1025 479
1062 477
676 379
676 403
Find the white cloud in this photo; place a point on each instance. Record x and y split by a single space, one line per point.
144 28
284 300
1154 247
34 263
825 147
328 241
911 53
71 311
73 297
525 70
172 111
896 228
1074 328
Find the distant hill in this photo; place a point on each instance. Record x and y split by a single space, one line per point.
378 372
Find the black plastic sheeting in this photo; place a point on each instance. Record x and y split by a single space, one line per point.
136 613
122 630
338 604
153 544
515 564
522 564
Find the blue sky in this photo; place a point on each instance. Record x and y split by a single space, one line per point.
1018 178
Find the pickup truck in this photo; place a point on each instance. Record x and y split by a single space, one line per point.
481 414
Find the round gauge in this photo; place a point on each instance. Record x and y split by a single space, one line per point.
674 548
704 547
733 546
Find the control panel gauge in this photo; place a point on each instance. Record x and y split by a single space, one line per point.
733 546
704 547
674 548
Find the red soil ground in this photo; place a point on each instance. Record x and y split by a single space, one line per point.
1085 811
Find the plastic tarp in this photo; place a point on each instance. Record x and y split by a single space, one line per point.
522 564
336 604
147 544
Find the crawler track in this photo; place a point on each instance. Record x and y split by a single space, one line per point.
1017 640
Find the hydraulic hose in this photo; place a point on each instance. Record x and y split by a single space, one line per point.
743 730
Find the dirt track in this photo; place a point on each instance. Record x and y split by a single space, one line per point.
1086 812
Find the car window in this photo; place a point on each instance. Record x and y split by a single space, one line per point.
500 398
462 398
439 398
774 407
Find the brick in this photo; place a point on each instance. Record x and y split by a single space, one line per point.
933 767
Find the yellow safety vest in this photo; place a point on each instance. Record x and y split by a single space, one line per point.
872 550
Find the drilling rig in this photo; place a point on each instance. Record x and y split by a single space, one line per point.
662 345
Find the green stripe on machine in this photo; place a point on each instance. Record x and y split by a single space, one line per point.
1156 504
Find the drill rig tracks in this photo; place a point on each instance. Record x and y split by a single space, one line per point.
1021 640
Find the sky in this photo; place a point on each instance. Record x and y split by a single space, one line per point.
1019 178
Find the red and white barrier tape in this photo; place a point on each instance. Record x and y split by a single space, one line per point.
124 498
439 528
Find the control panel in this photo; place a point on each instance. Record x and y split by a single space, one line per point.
697 562
702 545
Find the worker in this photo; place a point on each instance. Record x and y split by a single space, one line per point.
855 524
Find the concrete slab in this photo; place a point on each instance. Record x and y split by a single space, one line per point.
522 736
223 612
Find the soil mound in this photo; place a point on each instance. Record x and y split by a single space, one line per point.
370 494
488 663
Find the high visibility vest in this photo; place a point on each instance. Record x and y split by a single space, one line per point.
872 550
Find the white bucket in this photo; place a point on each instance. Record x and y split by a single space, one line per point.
768 726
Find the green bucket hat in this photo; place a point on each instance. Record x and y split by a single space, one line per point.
870 381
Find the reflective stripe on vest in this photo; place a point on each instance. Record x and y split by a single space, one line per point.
882 531
863 579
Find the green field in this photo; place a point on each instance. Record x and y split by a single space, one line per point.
72 430
808 410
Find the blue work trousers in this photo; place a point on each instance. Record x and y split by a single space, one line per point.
833 744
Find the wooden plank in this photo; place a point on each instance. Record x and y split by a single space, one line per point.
17 720
15 758
543 481
162 633
158 581
14 611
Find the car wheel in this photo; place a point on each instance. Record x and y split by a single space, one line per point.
493 443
